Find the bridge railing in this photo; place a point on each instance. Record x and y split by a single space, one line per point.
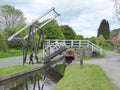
75 44
51 47
96 47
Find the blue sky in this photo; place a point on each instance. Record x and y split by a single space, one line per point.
84 16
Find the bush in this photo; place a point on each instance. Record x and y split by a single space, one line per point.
118 47
3 43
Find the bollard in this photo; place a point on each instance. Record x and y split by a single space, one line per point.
82 56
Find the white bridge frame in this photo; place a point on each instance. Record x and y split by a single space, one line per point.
53 45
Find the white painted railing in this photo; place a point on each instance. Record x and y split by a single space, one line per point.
74 44
51 47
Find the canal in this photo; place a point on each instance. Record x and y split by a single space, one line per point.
39 80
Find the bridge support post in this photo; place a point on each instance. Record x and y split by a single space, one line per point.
87 43
71 43
79 43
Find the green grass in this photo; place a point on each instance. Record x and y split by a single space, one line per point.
90 58
90 77
60 68
13 69
106 48
13 52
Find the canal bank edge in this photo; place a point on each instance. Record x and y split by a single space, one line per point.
42 67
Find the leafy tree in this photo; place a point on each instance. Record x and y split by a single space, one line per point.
10 31
53 31
115 30
100 40
79 37
3 43
10 17
68 32
104 29
92 39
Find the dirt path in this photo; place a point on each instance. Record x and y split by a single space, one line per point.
111 65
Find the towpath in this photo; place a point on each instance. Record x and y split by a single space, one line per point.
111 66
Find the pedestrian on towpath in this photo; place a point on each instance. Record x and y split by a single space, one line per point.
31 58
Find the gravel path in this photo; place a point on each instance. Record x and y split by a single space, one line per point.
11 61
111 65
17 60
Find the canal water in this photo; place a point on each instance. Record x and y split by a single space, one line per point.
39 80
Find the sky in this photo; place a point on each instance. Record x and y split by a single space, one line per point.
84 16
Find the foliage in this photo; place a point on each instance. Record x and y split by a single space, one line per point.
104 29
92 39
3 43
11 52
108 43
90 77
14 52
12 20
79 37
53 31
13 69
10 31
68 32
60 68
100 40
10 16
115 30
118 47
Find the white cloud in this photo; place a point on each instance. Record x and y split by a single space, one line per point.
100 1
42 4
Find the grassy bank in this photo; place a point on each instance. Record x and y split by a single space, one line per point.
90 77
13 69
90 58
11 52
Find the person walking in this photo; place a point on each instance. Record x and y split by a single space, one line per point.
31 58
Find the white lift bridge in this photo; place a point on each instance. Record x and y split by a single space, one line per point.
32 31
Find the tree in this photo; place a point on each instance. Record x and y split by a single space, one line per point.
8 31
100 40
11 30
3 43
92 39
68 32
79 37
10 17
104 29
53 31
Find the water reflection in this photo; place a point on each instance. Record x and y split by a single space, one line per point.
44 80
